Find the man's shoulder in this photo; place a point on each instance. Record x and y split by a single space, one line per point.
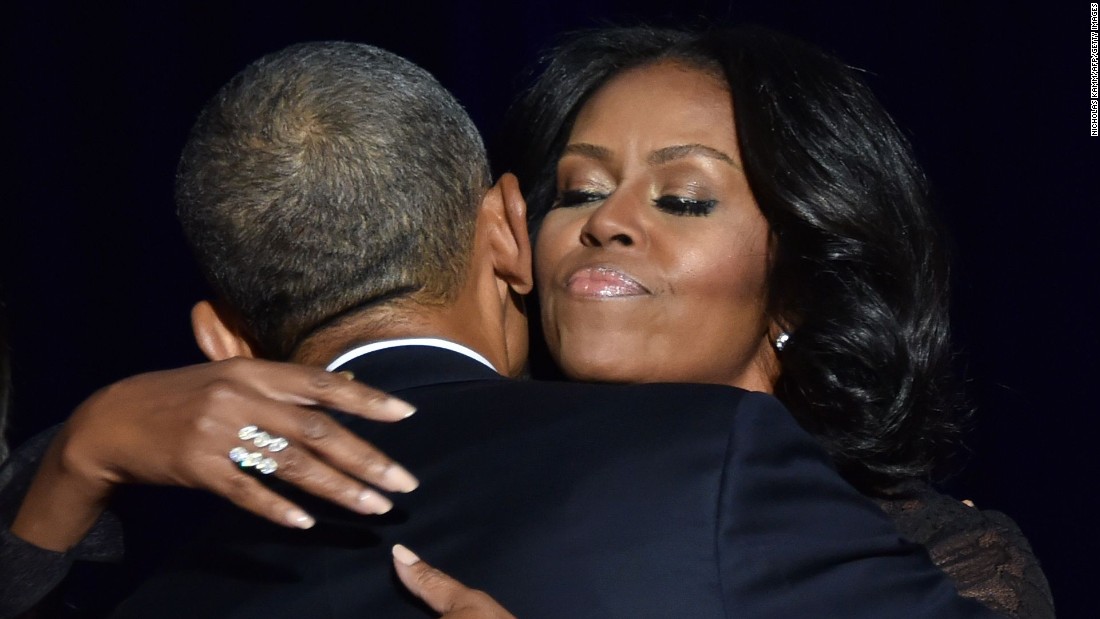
718 408
681 397
657 394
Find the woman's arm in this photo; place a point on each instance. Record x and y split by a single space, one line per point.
176 427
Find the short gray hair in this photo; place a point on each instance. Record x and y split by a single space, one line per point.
327 177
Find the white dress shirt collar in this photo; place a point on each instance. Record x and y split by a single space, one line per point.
359 351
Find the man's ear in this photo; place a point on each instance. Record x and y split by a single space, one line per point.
508 237
219 332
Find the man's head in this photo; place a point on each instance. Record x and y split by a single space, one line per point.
326 179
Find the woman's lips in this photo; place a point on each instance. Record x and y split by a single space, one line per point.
603 282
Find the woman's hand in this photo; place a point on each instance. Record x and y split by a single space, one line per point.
177 428
444 594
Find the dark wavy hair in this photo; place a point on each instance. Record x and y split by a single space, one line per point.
859 274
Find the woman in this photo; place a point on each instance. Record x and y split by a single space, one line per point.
736 207
831 212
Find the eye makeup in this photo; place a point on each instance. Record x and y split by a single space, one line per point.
577 197
679 205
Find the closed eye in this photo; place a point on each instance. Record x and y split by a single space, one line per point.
677 205
576 197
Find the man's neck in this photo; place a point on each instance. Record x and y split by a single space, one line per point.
373 326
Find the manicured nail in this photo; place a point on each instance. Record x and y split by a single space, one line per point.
300 519
404 555
348 374
368 502
400 480
398 409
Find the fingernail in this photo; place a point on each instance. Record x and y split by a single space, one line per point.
400 480
398 409
368 502
348 374
404 555
299 518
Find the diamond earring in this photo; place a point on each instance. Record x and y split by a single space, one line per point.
781 340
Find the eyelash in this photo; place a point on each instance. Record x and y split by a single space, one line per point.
576 198
674 205
677 205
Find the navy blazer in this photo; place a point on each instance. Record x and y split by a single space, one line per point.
571 500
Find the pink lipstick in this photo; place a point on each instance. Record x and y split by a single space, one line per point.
603 282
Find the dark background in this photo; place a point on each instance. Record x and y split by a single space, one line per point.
98 282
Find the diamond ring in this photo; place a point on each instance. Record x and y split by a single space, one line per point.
246 459
262 439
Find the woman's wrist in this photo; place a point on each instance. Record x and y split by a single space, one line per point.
63 501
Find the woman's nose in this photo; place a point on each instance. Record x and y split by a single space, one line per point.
617 221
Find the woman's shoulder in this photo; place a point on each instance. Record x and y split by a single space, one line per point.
983 551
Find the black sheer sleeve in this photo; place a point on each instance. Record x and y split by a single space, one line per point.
984 552
29 573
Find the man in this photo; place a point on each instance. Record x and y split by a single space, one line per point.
339 201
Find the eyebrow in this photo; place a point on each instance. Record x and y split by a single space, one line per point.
590 151
657 157
672 153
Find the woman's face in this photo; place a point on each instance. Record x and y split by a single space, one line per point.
653 264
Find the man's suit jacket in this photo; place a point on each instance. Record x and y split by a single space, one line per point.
575 500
